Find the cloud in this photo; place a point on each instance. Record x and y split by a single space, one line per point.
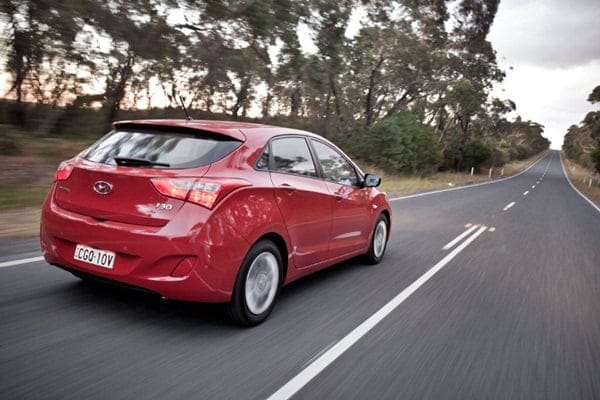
554 97
554 49
550 33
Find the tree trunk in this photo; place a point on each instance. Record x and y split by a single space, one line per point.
241 96
369 103
115 91
267 103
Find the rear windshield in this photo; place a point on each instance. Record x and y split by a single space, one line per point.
158 148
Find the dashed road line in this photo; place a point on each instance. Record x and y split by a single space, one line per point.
509 205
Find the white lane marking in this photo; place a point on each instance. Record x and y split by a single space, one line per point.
459 238
307 374
492 229
525 193
19 262
410 196
509 205
574 188
533 187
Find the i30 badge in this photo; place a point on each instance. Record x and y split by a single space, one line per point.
102 187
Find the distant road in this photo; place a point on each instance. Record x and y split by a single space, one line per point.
486 292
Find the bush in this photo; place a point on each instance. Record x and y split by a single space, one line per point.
400 143
476 154
499 158
519 152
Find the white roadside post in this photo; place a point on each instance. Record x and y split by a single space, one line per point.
490 174
472 170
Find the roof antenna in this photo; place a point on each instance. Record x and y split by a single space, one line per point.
187 115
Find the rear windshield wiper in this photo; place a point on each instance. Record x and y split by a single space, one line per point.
138 162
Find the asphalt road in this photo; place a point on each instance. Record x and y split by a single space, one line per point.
511 311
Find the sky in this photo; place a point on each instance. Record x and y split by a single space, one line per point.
550 50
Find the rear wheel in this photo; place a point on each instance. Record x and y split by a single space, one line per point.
257 284
378 240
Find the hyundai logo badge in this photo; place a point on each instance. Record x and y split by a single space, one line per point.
102 187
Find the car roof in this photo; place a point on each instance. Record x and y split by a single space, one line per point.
235 129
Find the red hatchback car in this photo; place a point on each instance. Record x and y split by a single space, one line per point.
211 211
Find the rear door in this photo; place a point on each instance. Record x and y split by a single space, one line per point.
350 219
302 198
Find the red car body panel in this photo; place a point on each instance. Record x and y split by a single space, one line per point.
185 251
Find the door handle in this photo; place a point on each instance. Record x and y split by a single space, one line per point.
289 189
338 196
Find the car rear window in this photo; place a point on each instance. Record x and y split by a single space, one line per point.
161 148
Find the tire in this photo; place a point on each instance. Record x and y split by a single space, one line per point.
379 240
257 285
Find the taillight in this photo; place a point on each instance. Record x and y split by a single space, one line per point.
63 172
198 191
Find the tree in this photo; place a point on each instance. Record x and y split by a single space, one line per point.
592 119
582 143
40 33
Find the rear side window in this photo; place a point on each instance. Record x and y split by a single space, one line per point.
164 149
292 156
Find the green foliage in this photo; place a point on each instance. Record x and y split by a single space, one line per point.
400 144
594 97
498 158
519 152
592 122
462 158
476 154
582 143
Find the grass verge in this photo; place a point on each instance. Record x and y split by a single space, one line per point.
587 181
27 176
404 185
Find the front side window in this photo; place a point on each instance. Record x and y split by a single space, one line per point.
335 167
292 156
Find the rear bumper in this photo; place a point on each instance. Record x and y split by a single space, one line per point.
188 259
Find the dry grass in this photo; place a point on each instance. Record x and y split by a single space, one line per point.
21 222
403 185
25 180
587 181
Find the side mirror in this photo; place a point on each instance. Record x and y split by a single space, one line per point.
372 180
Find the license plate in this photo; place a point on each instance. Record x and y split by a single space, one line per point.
101 258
